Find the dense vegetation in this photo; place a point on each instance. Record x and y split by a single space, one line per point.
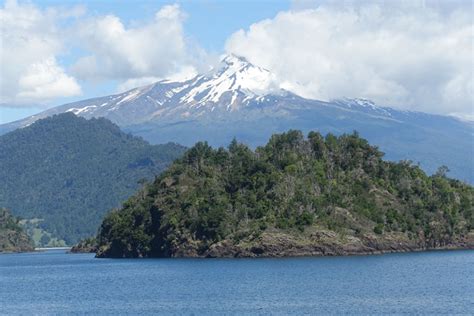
288 187
12 236
65 172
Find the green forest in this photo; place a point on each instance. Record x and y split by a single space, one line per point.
63 173
293 187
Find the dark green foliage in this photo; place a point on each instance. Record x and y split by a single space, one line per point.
12 236
70 171
291 184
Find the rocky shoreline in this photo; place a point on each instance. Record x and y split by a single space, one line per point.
88 245
327 250
12 236
318 244
282 246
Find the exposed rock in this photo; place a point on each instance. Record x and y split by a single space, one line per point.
326 243
12 236
88 245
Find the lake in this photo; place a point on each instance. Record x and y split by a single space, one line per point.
54 282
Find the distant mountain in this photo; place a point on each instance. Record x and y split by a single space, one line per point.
63 173
295 196
241 100
12 236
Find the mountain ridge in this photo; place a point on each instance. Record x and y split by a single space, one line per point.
239 99
235 75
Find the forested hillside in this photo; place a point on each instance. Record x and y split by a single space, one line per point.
66 172
294 196
12 236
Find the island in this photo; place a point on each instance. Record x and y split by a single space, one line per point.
296 196
12 236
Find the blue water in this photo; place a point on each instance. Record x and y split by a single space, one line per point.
56 283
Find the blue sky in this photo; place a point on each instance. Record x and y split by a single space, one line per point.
208 23
414 55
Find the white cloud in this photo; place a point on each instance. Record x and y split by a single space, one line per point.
46 80
155 49
183 74
30 43
135 83
411 57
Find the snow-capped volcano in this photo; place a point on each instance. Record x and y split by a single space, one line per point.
234 84
224 92
231 85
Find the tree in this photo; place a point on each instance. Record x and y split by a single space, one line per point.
442 171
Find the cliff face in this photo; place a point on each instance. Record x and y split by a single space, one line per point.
12 236
296 196
321 243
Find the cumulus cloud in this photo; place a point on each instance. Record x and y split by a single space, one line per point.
408 56
138 53
30 43
45 80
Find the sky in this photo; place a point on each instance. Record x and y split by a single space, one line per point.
412 55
